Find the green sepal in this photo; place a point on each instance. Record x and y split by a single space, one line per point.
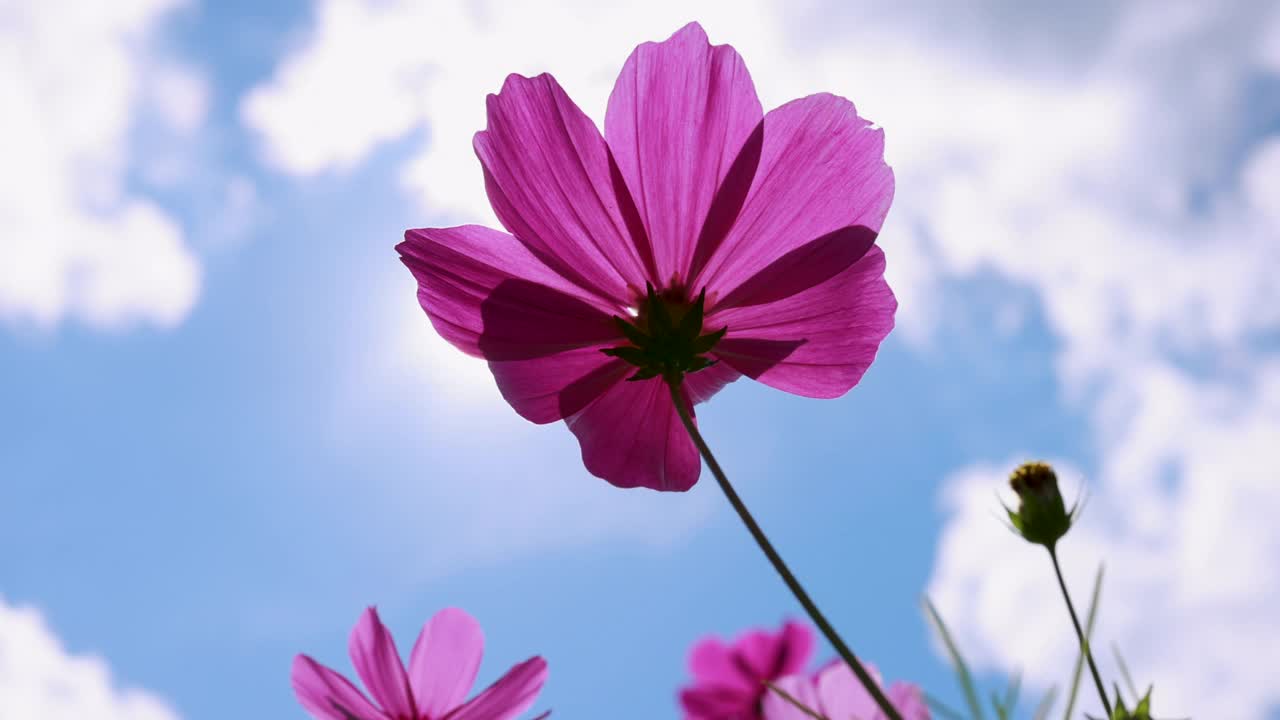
706 342
634 334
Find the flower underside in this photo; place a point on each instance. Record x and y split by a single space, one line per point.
666 337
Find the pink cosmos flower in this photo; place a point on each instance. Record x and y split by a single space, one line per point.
728 680
697 237
442 669
835 693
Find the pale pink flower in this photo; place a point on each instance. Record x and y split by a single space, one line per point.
728 679
835 693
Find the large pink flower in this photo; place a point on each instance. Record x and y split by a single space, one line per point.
728 680
835 693
691 190
442 669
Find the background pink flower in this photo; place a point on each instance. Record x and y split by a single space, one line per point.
691 188
442 669
836 694
728 680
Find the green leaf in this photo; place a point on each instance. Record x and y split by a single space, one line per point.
1091 615
1124 670
957 661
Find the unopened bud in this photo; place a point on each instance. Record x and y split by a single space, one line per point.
1042 517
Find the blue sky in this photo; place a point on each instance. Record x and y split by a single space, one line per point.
215 452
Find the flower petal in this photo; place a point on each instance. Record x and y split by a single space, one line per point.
909 700
327 695
818 342
700 386
679 114
802 690
549 178
773 655
445 661
489 295
712 662
632 437
374 654
842 695
511 695
821 169
554 387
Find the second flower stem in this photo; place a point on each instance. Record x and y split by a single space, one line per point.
1084 641
872 687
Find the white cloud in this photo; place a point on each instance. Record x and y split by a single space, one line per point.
1188 537
40 680
1088 152
75 241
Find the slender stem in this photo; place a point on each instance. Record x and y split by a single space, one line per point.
792 583
1084 642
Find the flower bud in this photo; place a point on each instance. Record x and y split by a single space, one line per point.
1042 517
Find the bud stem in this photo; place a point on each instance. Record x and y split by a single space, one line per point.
1084 642
872 687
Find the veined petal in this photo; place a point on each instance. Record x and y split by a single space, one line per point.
821 168
632 437
445 661
511 695
817 342
491 296
802 690
712 662
554 387
327 695
374 654
678 116
549 178
700 386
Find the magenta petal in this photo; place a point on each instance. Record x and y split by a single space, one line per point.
489 295
818 342
843 696
373 652
548 175
632 437
327 695
801 689
679 114
511 695
821 169
554 387
445 661
713 663
700 386
909 701
772 655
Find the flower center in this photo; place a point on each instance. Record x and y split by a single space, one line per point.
665 337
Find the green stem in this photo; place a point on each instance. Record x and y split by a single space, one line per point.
776 560
1084 643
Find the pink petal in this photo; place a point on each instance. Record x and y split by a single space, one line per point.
713 663
551 388
327 695
489 295
679 114
373 652
802 690
632 437
909 701
445 661
705 383
772 655
843 696
821 169
548 174
818 342
511 695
